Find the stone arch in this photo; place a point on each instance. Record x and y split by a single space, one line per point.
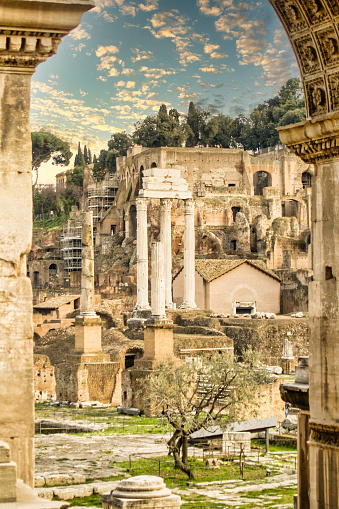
261 179
154 165
311 29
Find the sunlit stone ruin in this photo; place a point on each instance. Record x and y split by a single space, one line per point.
244 251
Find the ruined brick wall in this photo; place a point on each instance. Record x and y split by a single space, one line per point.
44 378
88 382
267 336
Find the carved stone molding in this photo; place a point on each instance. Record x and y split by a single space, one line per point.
324 434
30 32
314 140
22 51
313 29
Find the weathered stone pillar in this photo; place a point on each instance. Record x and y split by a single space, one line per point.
158 282
317 141
88 323
142 255
189 257
166 239
30 32
87 266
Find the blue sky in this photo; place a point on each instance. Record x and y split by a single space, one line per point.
126 58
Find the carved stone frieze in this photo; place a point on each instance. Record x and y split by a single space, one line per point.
333 81
314 140
328 41
307 54
313 29
316 97
333 6
291 15
24 50
315 11
324 434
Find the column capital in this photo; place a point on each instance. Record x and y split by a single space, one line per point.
189 206
313 141
31 31
166 204
141 203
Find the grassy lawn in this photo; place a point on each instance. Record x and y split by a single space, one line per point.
164 467
111 421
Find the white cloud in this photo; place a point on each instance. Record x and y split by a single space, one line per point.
80 33
141 55
149 5
103 50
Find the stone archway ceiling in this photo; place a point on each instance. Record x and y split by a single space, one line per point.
313 29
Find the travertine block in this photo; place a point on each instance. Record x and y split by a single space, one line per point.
7 482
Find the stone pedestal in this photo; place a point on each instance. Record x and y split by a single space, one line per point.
30 33
146 491
89 377
158 346
87 334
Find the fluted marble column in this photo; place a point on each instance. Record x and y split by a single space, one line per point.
166 239
30 32
142 255
189 257
158 282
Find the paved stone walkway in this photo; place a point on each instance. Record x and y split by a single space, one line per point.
61 457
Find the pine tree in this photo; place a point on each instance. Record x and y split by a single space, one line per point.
89 156
85 155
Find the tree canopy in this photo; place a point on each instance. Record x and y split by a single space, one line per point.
199 394
46 146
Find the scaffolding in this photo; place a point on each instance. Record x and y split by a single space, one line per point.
71 246
101 196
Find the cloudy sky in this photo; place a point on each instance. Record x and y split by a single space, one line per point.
127 58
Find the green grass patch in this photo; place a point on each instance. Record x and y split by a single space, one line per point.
271 497
164 467
281 447
93 500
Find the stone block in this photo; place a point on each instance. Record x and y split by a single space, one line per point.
46 493
5 455
87 335
103 487
57 479
78 478
7 482
39 481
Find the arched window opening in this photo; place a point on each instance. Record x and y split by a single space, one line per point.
306 179
53 269
261 179
235 211
154 165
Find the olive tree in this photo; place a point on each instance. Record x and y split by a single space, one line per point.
201 393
